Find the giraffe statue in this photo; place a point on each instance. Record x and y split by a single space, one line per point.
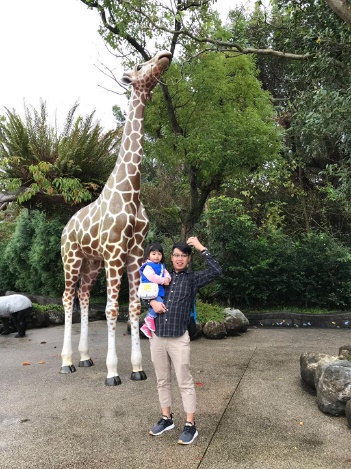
109 233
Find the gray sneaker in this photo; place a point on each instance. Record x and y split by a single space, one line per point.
189 434
163 425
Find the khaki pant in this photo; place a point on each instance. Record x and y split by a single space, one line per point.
167 351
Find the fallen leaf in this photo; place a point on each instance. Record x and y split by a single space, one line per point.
301 423
42 362
25 363
43 342
198 383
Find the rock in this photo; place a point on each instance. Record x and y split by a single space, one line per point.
308 366
38 319
345 352
348 412
333 385
43 300
97 313
56 318
236 313
198 331
233 325
214 330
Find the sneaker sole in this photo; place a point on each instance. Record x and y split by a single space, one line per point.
181 442
162 431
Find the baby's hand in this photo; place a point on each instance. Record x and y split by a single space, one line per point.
167 281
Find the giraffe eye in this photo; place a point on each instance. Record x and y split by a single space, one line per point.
139 67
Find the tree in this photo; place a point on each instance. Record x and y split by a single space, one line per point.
211 118
31 261
134 23
226 129
341 8
44 169
264 267
311 99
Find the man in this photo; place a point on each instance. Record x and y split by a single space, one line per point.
16 307
170 343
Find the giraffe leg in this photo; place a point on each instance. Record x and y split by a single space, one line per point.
71 279
90 271
112 378
134 313
66 354
114 273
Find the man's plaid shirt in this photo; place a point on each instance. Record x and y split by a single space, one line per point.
179 296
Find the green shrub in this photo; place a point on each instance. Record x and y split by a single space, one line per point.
270 269
206 312
43 308
31 260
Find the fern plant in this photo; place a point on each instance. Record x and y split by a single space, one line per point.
47 168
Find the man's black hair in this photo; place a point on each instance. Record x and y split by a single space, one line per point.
154 247
185 248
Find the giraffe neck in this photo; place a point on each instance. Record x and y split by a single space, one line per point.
125 176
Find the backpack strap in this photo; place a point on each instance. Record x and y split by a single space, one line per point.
193 296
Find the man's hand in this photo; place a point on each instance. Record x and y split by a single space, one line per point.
167 281
193 241
158 307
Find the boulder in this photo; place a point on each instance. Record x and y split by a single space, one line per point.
37 319
345 352
56 318
214 330
348 412
236 313
233 325
308 365
333 386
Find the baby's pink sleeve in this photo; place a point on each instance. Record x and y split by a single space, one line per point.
167 274
152 277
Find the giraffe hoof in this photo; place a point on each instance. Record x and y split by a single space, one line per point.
115 381
138 376
88 362
68 369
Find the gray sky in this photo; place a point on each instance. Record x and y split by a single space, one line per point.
50 50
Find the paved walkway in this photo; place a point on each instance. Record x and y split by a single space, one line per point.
253 411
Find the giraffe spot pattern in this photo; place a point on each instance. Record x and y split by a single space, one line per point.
111 230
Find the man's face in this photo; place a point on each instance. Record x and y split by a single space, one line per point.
179 260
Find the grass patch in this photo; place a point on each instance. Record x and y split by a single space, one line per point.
42 308
206 312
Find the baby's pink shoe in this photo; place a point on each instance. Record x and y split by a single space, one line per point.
150 322
146 331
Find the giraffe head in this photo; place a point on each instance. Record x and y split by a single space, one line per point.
145 76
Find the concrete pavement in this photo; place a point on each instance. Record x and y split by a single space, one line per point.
253 411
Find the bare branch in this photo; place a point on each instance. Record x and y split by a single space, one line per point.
234 47
131 40
342 8
7 197
181 31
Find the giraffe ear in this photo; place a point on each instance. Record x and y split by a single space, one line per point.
149 95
